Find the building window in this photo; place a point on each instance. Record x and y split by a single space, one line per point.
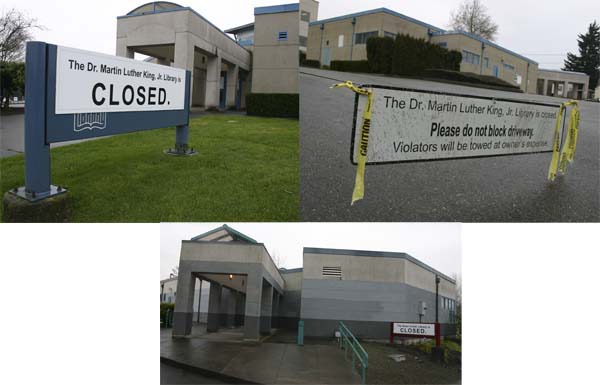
508 66
282 36
443 44
340 41
305 16
470 57
486 62
362 37
332 272
389 34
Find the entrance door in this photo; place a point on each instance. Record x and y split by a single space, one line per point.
496 72
325 60
223 90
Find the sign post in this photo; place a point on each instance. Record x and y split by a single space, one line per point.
73 94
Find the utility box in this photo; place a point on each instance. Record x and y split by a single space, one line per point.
422 308
300 333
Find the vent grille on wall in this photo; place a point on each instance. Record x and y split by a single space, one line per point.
332 272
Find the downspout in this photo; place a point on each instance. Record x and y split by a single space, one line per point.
481 61
322 27
527 79
352 37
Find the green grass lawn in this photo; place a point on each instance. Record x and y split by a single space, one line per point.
246 169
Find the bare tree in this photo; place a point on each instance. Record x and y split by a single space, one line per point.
15 30
472 17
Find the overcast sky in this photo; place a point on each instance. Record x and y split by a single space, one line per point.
436 244
542 30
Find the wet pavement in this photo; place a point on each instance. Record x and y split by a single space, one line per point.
493 189
266 363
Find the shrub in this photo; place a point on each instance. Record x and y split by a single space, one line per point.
350 65
164 306
468 77
273 105
406 55
379 54
310 63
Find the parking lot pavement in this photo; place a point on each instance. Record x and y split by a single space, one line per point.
494 189
12 135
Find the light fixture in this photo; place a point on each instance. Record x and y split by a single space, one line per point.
230 276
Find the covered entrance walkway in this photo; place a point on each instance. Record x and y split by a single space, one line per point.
245 285
179 36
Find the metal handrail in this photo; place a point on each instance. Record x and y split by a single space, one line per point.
347 339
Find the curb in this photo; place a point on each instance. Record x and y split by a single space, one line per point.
206 372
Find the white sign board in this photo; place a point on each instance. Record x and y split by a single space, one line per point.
92 82
415 329
411 125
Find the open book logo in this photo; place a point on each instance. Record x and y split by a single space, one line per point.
89 121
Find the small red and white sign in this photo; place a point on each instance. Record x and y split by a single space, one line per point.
414 329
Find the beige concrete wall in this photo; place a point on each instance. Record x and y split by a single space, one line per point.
566 78
161 29
376 269
424 279
293 281
380 22
230 252
495 56
275 65
221 252
312 7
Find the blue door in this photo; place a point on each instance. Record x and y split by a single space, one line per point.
325 60
495 70
223 90
238 101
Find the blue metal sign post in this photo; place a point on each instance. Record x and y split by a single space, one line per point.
43 126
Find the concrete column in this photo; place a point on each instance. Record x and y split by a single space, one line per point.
229 313
213 81
545 89
163 62
254 288
232 83
184 56
266 309
184 304
199 299
240 302
584 94
275 312
214 307
122 49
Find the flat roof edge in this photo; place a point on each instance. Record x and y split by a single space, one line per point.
371 253
563 72
372 11
485 41
183 9
282 8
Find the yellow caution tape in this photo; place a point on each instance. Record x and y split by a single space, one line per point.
359 181
560 157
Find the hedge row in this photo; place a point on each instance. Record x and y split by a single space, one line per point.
468 77
273 105
406 55
310 63
164 306
350 65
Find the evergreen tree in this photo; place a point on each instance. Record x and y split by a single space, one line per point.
588 60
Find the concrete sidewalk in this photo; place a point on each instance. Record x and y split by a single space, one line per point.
265 363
